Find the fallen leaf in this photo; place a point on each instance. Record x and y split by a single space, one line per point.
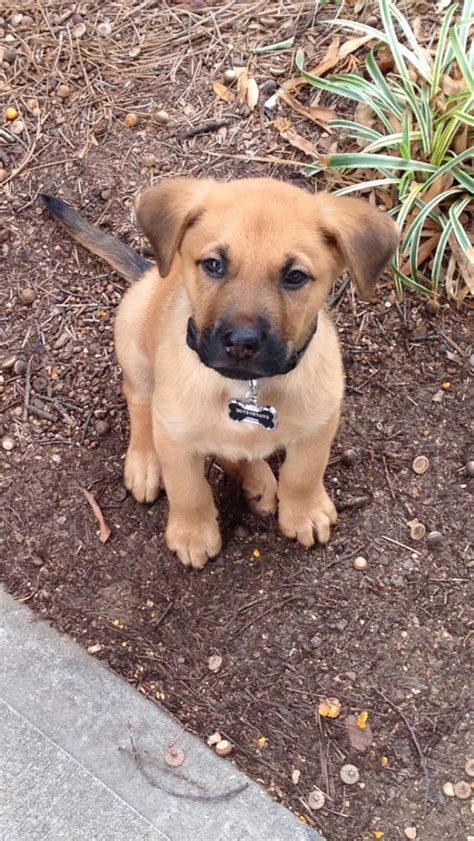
104 531
284 126
222 92
360 738
242 84
363 720
253 93
330 708
425 250
334 55
316 113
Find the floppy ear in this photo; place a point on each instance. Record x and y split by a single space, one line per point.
365 238
165 213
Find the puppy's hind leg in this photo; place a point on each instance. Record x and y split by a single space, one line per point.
142 468
258 483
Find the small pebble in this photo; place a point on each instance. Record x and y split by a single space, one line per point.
224 747
359 563
316 799
11 113
272 102
469 766
448 789
229 75
149 160
372 20
349 775
162 117
17 127
434 539
102 427
214 663
174 756
410 832
349 457
135 52
27 295
470 469
7 363
8 443
94 649
316 641
241 532
432 307
64 91
3 175
214 739
295 776
79 29
104 29
32 105
462 790
420 465
131 120
16 19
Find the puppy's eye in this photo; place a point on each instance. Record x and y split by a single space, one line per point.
214 267
295 278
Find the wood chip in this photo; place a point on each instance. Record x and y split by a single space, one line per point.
104 530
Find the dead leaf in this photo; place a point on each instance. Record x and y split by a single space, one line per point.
330 708
242 83
284 126
316 113
385 59
253 93
222 92
334 56
104 531
360 737
425 250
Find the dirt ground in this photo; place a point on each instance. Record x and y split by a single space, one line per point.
291 626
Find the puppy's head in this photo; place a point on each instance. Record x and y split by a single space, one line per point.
258 258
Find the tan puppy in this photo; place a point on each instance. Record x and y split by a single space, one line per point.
244 270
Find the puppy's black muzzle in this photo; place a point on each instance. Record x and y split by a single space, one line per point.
246 351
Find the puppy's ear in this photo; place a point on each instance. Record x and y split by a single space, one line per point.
364 237
165 213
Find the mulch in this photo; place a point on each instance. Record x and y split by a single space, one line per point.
292 626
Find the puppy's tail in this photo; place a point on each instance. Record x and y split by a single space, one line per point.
121 257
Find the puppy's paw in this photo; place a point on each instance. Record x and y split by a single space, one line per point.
142 474
300 519
194 541
260 488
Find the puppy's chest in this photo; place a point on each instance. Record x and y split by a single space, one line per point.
207 426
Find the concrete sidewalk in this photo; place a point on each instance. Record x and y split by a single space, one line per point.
81 756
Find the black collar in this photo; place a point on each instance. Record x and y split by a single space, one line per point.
299 353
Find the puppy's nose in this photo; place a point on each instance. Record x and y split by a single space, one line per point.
244 341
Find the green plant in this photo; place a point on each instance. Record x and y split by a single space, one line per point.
415 125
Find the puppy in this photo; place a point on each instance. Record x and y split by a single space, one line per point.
233 317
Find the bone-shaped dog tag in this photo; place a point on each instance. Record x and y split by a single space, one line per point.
249 411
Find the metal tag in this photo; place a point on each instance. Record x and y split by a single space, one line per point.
249 411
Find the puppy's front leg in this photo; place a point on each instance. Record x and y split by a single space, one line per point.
304 506
142 469
192 531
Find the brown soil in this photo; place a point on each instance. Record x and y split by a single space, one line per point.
292 626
